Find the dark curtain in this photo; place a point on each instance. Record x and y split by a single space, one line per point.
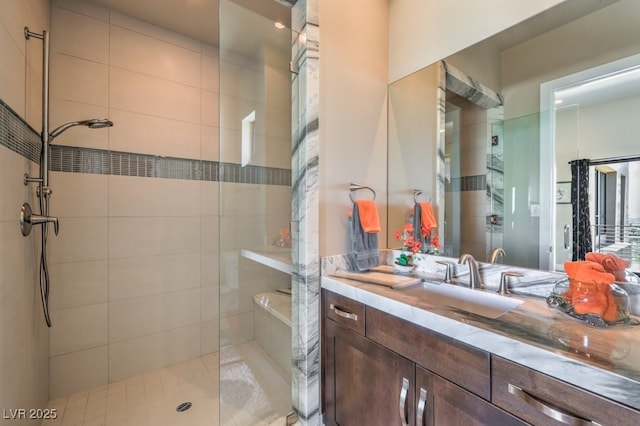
580 207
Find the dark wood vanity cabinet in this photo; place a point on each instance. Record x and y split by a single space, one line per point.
366 383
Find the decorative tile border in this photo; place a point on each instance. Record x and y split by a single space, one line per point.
18 136
468 183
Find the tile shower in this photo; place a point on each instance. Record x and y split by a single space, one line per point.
143 206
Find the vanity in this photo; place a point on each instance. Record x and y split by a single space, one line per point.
392 357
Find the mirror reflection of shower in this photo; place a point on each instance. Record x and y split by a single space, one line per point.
44 192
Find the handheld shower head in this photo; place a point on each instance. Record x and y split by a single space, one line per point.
94 123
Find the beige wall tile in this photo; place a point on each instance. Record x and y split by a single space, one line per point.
209 269
209 233
85 8
79 80
136 196
141 316
78 283
242 232
12 73
149 95
209 143
150 236
78 195
78 371
78 328
79 35
230 148
154 31
148 134
209 337
209 198
153 351
210 71
236 329
239 81
148 55
14 193
146 276
80 239
209 301
233 110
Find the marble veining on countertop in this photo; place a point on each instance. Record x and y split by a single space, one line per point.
605 361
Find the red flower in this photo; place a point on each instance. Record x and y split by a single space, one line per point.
435 241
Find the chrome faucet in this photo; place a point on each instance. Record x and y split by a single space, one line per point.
474 276
495 253
447 272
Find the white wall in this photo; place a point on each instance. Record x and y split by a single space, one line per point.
423 32
353 113
24 337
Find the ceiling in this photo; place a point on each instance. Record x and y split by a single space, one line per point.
199 19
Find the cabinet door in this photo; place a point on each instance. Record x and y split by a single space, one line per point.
440 402
365 384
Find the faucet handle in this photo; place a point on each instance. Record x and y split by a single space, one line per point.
447 272
504 288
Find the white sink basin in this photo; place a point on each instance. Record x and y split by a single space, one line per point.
486 304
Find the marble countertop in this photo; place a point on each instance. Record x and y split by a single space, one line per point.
605 361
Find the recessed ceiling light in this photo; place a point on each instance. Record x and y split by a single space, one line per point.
279 25
558 101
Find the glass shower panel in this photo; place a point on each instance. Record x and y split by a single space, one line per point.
254 217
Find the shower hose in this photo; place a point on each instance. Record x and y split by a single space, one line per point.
44 269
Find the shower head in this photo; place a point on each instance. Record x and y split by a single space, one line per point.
94 123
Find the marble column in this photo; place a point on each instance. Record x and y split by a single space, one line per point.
305 215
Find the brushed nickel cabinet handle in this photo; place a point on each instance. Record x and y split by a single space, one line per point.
343 314
403 401
554 413
422 403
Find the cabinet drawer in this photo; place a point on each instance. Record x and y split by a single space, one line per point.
462 364
344 311
529 394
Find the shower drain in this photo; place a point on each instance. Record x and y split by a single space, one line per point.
183 407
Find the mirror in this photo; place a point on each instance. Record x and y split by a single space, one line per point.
478 134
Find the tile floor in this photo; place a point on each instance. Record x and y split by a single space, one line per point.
255 392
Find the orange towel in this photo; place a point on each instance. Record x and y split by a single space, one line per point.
369 216
427 219
611 263
589 289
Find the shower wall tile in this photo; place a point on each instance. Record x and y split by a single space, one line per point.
80 239
152 236
142 27
210 70
78 328
209 194
78 371
245 200
12 72
147 276
12 168
240 81
89 39
148 134
236 329
209 301
63 111
134 196
209 231
89 9
78 195
234 109
78 284
230 144
237 232
79 80
154 351
147 55
209 337
209 111
140 316
209 269
209 143
150 95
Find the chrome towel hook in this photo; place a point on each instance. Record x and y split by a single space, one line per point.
355 187
416 194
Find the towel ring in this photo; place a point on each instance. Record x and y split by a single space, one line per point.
356 186
416 193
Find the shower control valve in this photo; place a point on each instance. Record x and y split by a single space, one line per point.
28 219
